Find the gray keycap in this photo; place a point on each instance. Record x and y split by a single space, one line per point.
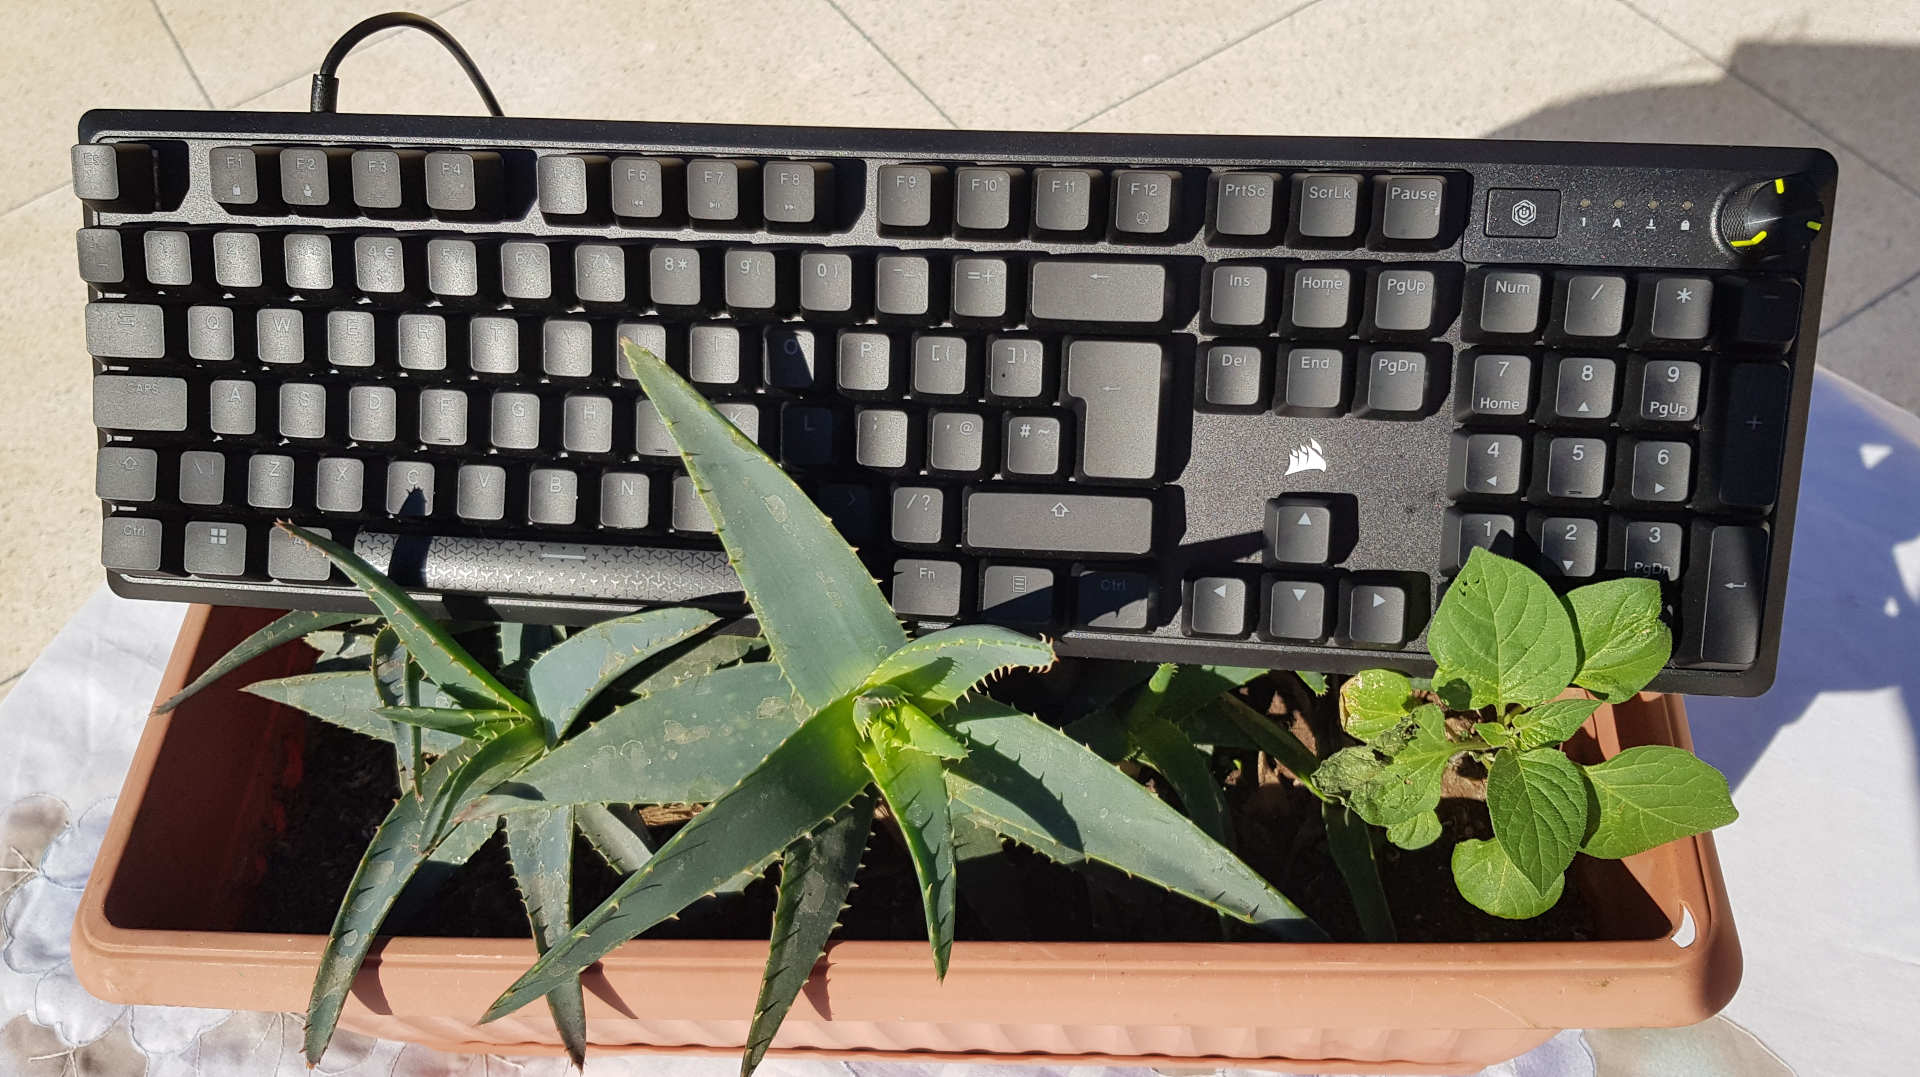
238 262
789 357
919 514
600 273
1122 600
623 499
289 558
1510 302
1238 296
1596 307
1016 368
641 186
723 191
902 285
1243 203
1314 381
460 182
1499 388
1033 445
1403 301
242 177
1144 201
1662 471
983 199
744 415
1396 383
270 481
122 473
865 361
379 265
1486 464
280 335
1234 373
132 402
493 345
1063 199
169 258
1217 606
130 544
1583 388
1726 630
386 179
203 477
1576 468
586 423
339 484
752 281
1678 308
306 174
126 331
1326 206
1065 524
526 270
566 348
1570 546
422 340
797 193
113 175
215 549
350 338
940 365
572 184
1021 594
453 268
1320 298
443 417
923 588
210 334
1670 391
410 488
553 496
480 492
516 421
1410 207
308 259
980 288
1376 613
373 413
102 258
908 196
714 355
806 436
1118 384
648 336
1296 609
673 276
1652 549
826 282
689 512
880 438
1077 291
956 441
650 437
1299 530
303 410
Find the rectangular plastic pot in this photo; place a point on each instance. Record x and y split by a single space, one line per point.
192 821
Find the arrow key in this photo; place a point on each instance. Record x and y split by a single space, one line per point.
1217 606
1296 609
1378 613
1569 545
1662 471
1304 530
1651 548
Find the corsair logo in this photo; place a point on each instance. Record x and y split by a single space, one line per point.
1308 457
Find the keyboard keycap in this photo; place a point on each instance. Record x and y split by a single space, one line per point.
1315 381
122 473
114 177
103 257
1074 291
790 358
1486 465
1395 384
480 492
203 477
982 290
649 190
912 199
1296 610
1300 530
389 183
1145 203
723 192
289 558
1245 205
1320 300
241 261
1569 546
1672 310
270 481
1589 306
797 196
1114 600
1326 210
1410 209
864 362
126 330
574 187
516 421
131 402
443 417
1066 201
1217 606
1235 376
988 201
1016 368
350 338
245 179
1401 302
882 438
956 441
1021 594
1468 531
829 285
808 436
173 258
586 423
214 549
1652 548
553 496
923 588
1059 524
130 544
303 410
1238 297
373 414
903 287
1509 304
231 407
463 184
1033 446
1726 598
919 515
1576 469
756 283
1374 614
623 499
1117 386
1766 314
1498 387
312 177
1666 392
1582 390
1662 471
340 484
1752 436
716 355
940 365
410 488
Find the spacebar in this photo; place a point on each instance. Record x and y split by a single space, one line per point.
557 569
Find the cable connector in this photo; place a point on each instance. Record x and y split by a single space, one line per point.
326 85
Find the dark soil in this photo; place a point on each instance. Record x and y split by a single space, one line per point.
349 784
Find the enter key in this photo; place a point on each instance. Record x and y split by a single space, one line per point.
1117 386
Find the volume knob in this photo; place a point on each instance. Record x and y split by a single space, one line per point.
1771 218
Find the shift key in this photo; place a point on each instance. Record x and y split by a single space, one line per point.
1075 291
1060 524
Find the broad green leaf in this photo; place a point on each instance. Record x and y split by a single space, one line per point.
820 610
1029 782
346 698
1415 832
444 661
1274 739
1375 701
1187 770
459 721
1495 733
396 680
915 788
540 848
685 744
286 629
1348 769
1550 723
937 669
1315 682
566 677
1651 795
1623 642
1538 801
1504 631
1491 882
616 834
1410 782
807 779
815 878
1350 842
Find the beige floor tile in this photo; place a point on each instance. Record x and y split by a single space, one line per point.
243 48
1851 67
1880 347
49 520
61 59
1034 66
797 62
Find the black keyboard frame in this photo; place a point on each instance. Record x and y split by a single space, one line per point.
1378 471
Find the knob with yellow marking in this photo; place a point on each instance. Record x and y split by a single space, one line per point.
1771 218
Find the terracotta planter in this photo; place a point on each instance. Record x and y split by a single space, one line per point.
154 928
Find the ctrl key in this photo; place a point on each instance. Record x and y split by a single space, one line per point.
130 544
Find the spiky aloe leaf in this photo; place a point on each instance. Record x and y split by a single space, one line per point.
444 661
685 744
396 680
346 698
1159 744
825 619
616 834
1350 841
1029 782
815 878
454 850
937 669
992 882
1272 738
1174 690
406 838
522 643
284 630
459 721
804 782
566 677
915 786
540 848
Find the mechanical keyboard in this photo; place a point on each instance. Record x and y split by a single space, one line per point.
1172 398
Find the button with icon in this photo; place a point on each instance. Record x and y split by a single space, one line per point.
1523 213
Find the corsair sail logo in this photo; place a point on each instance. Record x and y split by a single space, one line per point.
1308 457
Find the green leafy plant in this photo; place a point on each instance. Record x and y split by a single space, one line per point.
1506 650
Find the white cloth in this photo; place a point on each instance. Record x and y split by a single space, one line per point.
1823 867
